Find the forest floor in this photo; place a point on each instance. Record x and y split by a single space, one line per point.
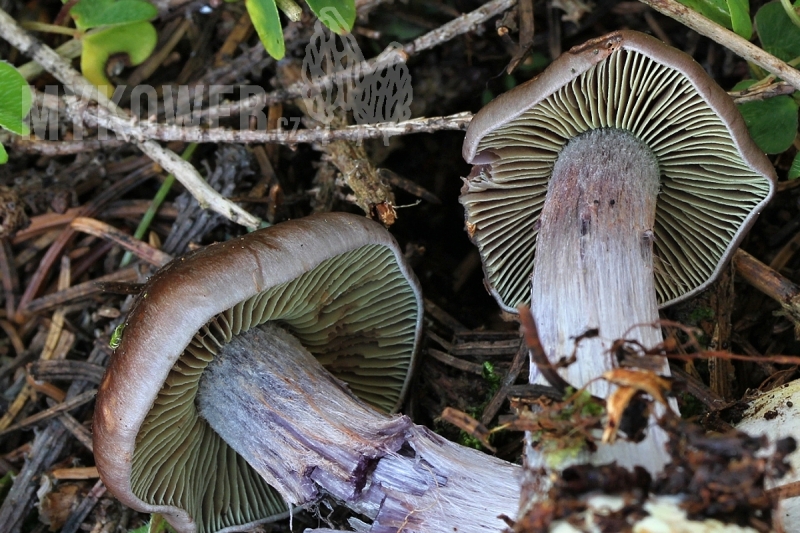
62 206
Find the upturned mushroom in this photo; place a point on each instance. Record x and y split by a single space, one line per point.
618 181
216 410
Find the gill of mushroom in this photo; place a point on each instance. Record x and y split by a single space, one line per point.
620 179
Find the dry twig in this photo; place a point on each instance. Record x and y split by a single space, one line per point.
140 131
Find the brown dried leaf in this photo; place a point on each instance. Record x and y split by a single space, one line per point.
56 506
644 381
616 404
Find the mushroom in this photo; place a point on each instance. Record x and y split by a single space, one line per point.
216 410
620 180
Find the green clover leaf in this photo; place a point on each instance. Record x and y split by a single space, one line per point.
137 41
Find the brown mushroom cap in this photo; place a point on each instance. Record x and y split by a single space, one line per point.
715 180
338 282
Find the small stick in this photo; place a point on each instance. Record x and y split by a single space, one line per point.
57 148
771 283
455 362
80 472
443 316
77 516
67 405
140 131
786 252
763 92
779 359
82 290
125 209
106 231
8 275
531 335
526 29
240 32
510 378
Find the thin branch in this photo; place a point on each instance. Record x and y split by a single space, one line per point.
141 131
726 38
539 358
763 92
106 231
55 148
77 84
68 405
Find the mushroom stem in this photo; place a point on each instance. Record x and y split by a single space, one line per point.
308 436
594 265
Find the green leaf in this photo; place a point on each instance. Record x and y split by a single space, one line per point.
137 41
15 99
794 170
740 18
94 13
716 10
3 155
5 485
779 36
772 123
338 15
267 22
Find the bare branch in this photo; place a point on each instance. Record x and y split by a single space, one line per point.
760 92
140 131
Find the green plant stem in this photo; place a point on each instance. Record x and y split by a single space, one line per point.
158 199
50 28
789 8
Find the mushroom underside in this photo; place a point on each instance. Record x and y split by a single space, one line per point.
706 195
356 313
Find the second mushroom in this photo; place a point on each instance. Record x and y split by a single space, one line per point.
619 180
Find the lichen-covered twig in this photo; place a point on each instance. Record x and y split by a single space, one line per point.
139 131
